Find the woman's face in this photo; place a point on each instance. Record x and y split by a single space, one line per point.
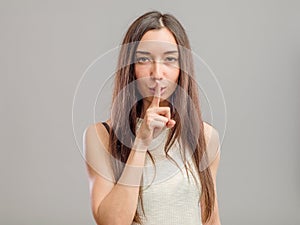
157 60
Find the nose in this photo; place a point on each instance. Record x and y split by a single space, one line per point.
156 70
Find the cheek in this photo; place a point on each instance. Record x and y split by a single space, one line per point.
174 75
140 72
141 82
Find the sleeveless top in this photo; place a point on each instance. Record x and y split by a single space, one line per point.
170 196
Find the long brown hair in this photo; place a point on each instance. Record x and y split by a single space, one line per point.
187 116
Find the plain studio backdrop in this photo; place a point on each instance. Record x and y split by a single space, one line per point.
252 48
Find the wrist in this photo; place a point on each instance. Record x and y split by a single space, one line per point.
140 144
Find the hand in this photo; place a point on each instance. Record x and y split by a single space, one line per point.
156 119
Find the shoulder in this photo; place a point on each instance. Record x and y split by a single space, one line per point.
94 136
96 129
96 151
211 134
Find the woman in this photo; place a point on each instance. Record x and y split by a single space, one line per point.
156 101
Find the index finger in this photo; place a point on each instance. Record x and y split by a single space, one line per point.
156 97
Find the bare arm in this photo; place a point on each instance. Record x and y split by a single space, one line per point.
215 219
113 203
214 148
123 197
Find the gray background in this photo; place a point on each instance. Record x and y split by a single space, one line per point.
253 48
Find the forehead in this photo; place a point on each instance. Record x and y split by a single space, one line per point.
158 41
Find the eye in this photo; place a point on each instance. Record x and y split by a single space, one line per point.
171 59
142 60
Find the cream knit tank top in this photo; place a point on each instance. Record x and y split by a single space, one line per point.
170 197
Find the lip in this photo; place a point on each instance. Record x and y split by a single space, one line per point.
162 89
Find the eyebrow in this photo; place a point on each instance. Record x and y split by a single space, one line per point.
148 53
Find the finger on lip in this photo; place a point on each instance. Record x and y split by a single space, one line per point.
157 89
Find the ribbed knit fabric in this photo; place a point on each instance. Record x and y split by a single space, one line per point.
173 197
